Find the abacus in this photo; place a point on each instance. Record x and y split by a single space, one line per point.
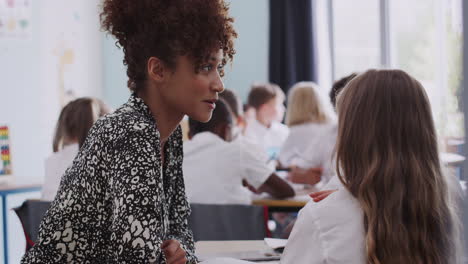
5 159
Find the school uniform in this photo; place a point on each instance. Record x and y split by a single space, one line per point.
214 169
55 166
270 138
332 230
311 145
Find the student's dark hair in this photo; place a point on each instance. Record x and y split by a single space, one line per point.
75 120
338 86
166 29
221 115
230 97
262 93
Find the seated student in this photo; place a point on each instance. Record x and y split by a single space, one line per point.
217 171
394 204
266 130
230 98
240 123
338 86
307 173
312 131
74 122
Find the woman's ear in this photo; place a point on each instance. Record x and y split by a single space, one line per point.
157 69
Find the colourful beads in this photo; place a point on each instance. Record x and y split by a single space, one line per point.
5 159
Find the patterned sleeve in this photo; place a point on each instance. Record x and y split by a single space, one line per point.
180 209
136 225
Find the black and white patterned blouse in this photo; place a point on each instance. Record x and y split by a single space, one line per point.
116 203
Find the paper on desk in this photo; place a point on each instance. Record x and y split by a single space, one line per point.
275 243
225 261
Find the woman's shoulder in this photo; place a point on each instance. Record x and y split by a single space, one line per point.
125 123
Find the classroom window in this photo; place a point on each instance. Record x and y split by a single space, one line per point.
426 41
422 37
356 36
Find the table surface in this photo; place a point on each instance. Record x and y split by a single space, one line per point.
299 200
12 186
212 249
451 159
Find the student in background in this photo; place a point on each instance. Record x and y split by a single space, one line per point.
307 173
240 123
74 122
249 114
338 86
235 105
312 131
218 171
394 205
266 129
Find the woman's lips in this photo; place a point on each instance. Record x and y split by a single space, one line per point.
211 103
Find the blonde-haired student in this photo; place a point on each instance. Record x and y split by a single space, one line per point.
73 124
266 129
312 130
394 204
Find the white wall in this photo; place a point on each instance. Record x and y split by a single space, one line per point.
30 77
251 61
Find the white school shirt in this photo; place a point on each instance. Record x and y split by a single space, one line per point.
328 232
213 170
310 146
271 139
332 230
55 166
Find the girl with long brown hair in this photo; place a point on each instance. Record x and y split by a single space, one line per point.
395 205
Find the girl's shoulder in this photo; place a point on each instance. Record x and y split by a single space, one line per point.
338 209
315 127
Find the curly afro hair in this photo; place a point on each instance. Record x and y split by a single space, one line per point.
167 29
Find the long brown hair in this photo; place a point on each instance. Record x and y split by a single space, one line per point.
75 120
387 158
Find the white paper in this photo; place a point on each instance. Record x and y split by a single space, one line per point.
225 261
275 243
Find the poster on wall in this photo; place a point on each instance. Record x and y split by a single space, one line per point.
70 48
5 158
15 19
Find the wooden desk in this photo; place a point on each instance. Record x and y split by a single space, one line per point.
233 249
293 204
451 159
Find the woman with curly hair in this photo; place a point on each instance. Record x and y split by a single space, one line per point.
394 204
123 199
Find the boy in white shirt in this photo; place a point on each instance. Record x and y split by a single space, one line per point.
266 129
217 171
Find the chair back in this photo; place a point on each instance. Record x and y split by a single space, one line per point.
30 214
228 222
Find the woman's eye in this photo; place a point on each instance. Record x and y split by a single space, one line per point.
207 68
